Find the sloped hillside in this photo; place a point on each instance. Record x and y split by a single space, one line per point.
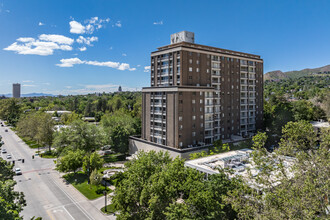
278 75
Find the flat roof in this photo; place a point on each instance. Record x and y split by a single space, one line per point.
176 88
211 164
240 161
209 49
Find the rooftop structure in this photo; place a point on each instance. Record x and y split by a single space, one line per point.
240 161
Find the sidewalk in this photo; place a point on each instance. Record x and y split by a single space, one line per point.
92 207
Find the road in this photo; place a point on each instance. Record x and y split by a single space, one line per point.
47 194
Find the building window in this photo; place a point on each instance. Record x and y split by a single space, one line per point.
201 101
180 101
193 101
193 117
180 127
201 117
207 70
202 125
190 60
181 144
197 70
180 118
190 77
194 134
190 69
197 61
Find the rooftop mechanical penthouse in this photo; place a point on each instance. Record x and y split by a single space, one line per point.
200 94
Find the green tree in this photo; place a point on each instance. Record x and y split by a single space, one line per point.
119 138
80 135
70 162
45 130
292 188
69 118
10 110
156 187
92 162
11 202
119 126
297 136
95 178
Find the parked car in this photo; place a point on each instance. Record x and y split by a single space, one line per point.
6 130
4 151
8 156
18 171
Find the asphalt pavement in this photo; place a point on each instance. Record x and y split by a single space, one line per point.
47 194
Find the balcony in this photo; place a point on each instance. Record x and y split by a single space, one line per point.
243 115
215 66
243 82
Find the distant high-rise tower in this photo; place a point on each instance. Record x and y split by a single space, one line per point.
16 90
119 89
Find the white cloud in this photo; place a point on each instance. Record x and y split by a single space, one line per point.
110 48
25 39
147 68
158 23
43 46
124 54
56 38
118 24
40 23
82 48
74 61
87 40
76 27
89 26
27 81
69 62
28 85
138 65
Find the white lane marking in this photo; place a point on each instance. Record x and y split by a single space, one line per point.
68 213
73 200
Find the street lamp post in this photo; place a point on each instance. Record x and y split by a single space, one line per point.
105 195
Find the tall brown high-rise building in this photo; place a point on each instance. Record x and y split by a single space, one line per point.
200 94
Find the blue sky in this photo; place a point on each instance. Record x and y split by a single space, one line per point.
82 46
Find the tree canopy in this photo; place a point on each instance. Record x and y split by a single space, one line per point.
156 187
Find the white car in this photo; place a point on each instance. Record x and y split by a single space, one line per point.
18 171
4 151
8 156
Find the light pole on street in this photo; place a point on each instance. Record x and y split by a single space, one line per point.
105 195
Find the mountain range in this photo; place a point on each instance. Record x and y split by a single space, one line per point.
278 74
28 95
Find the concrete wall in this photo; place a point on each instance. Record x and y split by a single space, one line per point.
136 144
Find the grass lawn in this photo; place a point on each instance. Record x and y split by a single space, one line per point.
110 209
31 143
111 158
90 191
